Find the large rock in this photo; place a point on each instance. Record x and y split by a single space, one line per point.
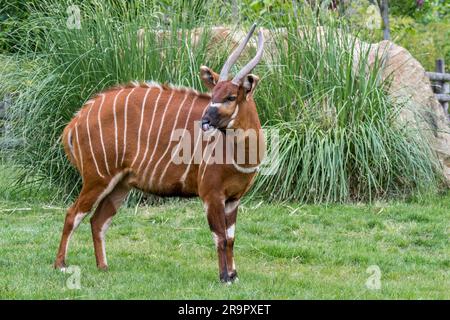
412 88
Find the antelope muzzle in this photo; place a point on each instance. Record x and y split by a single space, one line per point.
211 119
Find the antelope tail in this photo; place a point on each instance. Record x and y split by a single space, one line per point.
67 141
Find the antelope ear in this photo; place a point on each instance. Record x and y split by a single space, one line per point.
208 77
249 84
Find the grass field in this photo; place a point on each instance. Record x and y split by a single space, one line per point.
283 251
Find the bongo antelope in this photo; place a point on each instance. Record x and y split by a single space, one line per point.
121 139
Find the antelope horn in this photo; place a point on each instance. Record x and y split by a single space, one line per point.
252 64
235 55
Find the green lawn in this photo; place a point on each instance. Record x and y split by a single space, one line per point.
284 251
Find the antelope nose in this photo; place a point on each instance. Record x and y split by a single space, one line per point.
205 124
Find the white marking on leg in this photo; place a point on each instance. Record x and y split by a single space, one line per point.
99 119
231 206
78 218
116 142
76 222
111 185
230 232
103 230
216 239
90 143
168 144
159 133
125 126
138 147
151 127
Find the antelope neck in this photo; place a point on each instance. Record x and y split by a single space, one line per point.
246 119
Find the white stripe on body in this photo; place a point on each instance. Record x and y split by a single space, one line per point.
138 148
101 133
159 133
90 141
199 139
168 144
116 143
151 127
178 145
124 149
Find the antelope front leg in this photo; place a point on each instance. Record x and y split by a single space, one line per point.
215 212
231 208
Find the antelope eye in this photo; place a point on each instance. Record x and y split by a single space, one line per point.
231 98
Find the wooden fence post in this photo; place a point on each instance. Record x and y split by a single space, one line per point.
235 10
444 86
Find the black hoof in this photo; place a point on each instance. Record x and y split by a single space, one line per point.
224 278
102 268
229 278
233 276
60 265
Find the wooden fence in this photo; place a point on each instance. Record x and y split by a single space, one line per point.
441 84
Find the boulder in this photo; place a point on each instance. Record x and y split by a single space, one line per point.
411 87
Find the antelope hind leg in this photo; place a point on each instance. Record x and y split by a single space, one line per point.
75 214
101 220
